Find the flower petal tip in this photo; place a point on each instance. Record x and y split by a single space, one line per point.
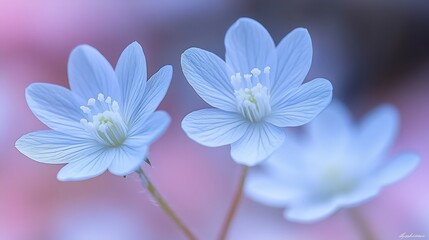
310 214
82 49
244 21
169 70
302 31
135 47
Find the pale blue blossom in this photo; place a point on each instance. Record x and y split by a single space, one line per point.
255 92
107 119
335 163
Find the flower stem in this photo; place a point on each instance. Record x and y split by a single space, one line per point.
361 224
234 205
155 194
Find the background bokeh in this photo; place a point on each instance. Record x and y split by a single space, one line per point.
372 51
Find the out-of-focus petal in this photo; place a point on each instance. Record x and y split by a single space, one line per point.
332 125
307 213
269 189
396 169
377 132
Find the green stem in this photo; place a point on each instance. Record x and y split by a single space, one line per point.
361 224
155 194
234 205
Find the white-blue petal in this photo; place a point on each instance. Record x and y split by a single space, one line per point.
249 45
132 76
90 74
396 169
300 105
362 193
135 148
145 133
156 88
272 190
286 164
288 160
214 127
88 166
311 212
294 55
280 179
259 142
377 132
57 107
210 78
54 147
128 158
331 137
332 126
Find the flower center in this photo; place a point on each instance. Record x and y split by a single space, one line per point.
335 181
104 121
252 94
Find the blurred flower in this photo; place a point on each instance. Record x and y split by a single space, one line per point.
336 164
251 109
106 121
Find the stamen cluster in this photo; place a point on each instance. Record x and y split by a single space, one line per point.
104 121
252 94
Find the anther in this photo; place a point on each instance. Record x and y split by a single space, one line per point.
267 76
247 76
91 102
238 76
267 70
235 82
108 100
256 72
100 97
85 109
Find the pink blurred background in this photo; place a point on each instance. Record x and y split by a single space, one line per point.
372 51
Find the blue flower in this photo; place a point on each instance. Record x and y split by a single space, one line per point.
335 164
106 121
255 92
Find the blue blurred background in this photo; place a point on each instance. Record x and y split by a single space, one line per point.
372 51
